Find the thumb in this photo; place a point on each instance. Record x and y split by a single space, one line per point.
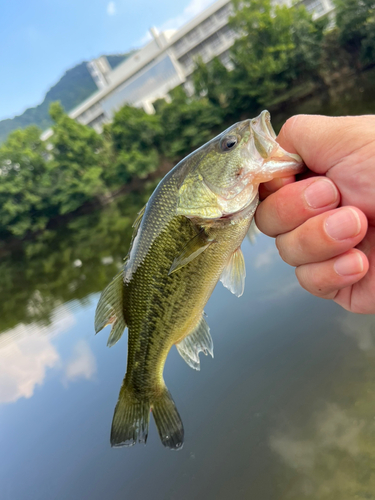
324 141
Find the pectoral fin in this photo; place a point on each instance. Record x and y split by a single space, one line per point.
253 232
233 276
199 340
195 247
109 310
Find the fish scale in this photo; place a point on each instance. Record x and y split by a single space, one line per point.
186 238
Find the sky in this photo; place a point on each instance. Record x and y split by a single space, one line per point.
41 39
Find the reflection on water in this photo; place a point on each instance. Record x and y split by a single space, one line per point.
25 357
66 263
330 454
82 363
286 410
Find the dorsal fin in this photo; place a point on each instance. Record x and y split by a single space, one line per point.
138 219
109 310
199 340
233 276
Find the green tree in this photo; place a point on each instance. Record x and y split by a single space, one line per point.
355 20
135 136
277 47
24 183
188 123
213 81
77 162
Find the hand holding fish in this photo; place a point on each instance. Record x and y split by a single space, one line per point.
325 224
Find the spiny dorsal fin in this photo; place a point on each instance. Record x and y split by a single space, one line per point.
138 220
109 310
233 276
199 340
194 247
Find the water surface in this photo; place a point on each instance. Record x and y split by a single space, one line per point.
285 410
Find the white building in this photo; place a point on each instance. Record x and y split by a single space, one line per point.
162 64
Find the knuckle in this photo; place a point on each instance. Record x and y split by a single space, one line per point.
281 248
311 281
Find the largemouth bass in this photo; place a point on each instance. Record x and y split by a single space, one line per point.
187 237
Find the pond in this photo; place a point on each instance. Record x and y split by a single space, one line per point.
285 410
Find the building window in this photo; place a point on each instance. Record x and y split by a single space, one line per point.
314 6
192 36
227 61
208 24
180 46
215 42
223 13
227 32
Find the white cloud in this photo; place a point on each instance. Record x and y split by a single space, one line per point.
111 9
333 429
266 258
82 364
23 364
190 11
26 352
325 455
361 328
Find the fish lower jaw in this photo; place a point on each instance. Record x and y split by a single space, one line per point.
244 202
246 211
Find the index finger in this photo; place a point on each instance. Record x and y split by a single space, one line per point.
324 141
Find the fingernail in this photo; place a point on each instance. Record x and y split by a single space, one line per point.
351 263
343 224
321 193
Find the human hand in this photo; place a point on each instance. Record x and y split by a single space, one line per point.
325 224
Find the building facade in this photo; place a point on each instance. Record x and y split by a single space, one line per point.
165 62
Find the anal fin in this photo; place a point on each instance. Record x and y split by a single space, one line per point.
233 276
199 340
109 310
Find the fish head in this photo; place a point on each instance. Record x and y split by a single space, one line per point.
226 172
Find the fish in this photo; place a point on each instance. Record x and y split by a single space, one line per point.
186 238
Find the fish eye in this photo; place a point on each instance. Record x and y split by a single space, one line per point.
229 142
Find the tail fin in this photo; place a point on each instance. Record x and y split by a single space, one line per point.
168 421
130 420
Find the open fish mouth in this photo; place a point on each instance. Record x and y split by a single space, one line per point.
262 125
277 161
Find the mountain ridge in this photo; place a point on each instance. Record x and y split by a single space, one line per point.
74 87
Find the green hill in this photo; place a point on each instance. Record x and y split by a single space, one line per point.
73 88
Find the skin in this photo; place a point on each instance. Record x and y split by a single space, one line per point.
324 223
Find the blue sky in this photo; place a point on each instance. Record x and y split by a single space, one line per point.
43 38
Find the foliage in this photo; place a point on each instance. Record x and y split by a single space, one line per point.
278 46
277 50
187 123
135 136
43 273
76 165
355 21
213 81
23 168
